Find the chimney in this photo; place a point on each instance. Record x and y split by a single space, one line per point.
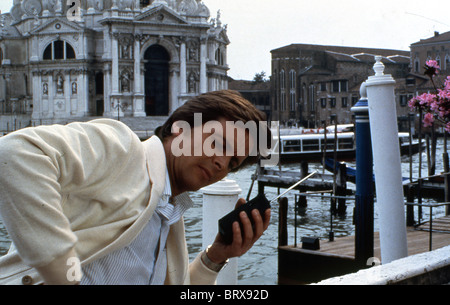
436 33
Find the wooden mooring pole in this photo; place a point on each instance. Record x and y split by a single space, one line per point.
282 222
364 215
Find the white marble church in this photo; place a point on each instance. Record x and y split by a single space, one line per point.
132 58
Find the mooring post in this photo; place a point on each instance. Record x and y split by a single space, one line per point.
341 188
282 223
387 164
218 200
364 215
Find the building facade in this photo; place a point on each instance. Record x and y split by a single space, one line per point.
313 85
257 92
435 48
132 58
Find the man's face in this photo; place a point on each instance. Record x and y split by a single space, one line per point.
214 152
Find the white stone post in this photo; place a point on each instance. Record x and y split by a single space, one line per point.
218 200
387 164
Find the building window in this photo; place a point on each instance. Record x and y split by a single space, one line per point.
323 102
282 90
283 101
277 83
1 56
292 90
344 85
144 3
59 50
219 58
333 102
410 81
339 86
282 80
335 86
344 101
292 101
323 87
312 98
404 98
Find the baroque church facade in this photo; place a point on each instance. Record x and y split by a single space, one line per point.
110 58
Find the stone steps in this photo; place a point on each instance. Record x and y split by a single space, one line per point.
143 126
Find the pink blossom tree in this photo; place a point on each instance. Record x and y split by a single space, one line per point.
436 106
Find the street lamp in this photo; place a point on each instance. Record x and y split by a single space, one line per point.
119 105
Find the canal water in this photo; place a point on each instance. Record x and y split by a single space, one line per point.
260 265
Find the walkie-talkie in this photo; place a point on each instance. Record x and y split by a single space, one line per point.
260 202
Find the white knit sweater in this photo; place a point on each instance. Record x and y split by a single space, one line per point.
84 190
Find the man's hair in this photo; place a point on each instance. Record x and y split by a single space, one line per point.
228 104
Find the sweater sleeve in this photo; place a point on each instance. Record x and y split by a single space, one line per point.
38 167
200 274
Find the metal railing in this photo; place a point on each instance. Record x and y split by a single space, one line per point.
430 221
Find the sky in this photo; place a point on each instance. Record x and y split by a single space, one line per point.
255 27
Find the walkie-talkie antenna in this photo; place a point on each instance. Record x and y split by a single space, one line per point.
294 186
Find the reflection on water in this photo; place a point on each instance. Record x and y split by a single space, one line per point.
259 265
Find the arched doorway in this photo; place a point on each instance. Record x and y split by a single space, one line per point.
156 81
99 94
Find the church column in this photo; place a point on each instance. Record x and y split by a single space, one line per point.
138 107
67 93
183 70
115 64
173 79
37 93
83 94
35 49
107 90
137 5
203 77
107 44
137 66
51 95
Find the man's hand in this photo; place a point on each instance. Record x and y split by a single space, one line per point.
219 252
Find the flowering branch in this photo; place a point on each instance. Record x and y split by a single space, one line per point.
435 106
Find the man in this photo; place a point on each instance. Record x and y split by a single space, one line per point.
93 193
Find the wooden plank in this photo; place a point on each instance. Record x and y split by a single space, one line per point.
299 266
418 241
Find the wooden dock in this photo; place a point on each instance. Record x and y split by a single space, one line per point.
301 266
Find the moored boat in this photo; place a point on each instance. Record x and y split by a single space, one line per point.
312 145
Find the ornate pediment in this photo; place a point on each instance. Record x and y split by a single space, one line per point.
57 26
161 14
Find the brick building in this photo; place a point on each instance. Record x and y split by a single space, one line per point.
436 48
312 83
256 92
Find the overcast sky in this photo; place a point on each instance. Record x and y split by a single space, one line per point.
255 27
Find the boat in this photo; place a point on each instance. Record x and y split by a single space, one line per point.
313 145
